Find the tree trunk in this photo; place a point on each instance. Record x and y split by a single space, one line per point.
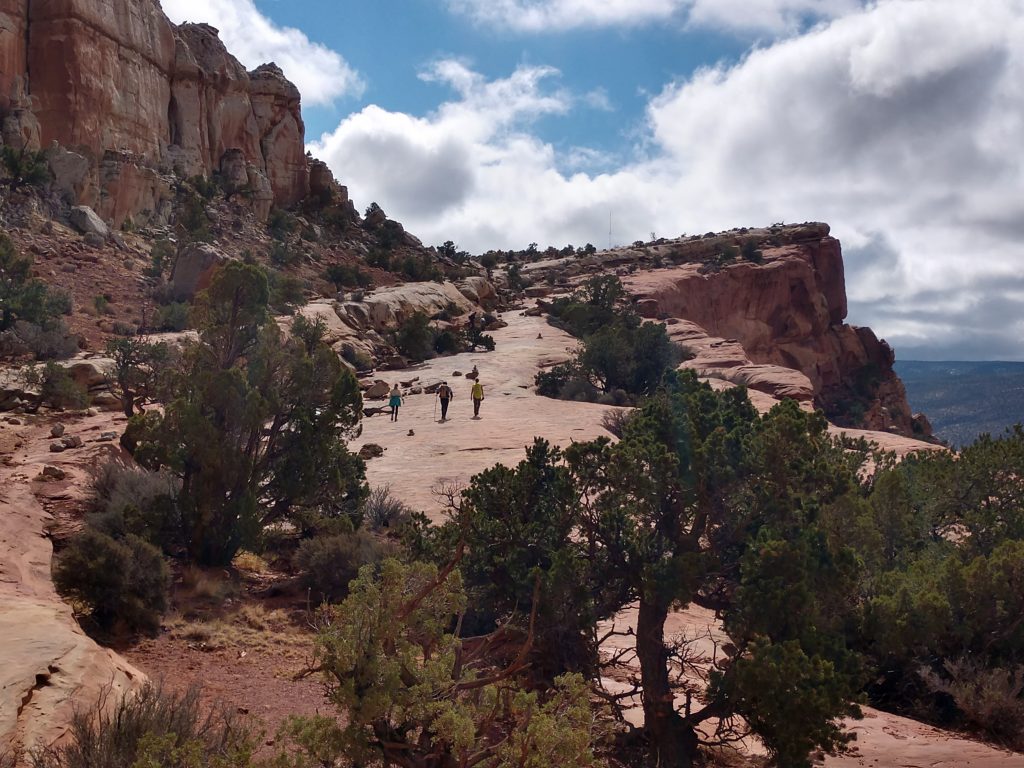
671 742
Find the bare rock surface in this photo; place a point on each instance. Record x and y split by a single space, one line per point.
511 415
48 666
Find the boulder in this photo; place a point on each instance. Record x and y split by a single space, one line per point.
377 391
193 269
370 451
74 175
84 219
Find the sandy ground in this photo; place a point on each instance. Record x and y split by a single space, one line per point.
510 417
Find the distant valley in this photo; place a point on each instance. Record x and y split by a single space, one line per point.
965 399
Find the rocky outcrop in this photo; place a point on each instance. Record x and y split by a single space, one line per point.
138 98
361 328
787 311
49 668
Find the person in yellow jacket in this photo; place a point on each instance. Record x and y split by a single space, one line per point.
477 393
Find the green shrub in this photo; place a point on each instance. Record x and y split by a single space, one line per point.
379 259
193 219
283 255
122 582
450 341
50 341
206 187
57 388
172 317
329 563
25 167
281 224
287 292
151 728
132 500
414 337
420 269
347 276
161 256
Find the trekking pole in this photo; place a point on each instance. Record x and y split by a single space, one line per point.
435 407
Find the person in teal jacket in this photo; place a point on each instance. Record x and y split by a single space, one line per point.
395 401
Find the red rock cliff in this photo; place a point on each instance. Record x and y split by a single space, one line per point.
115 82
788 311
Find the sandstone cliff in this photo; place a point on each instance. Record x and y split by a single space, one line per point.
130 99
773 320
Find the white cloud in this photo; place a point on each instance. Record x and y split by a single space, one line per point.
775 16
899 125
321 74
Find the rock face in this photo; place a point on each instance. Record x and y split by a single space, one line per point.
786 313
116 82
49 668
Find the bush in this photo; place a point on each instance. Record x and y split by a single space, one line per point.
615 421
281 224
151 728
380 259
57 388
414 337
287 292
123 583
193 220
132 500
172 317
450 341
382 510
283 255
161 256
347 276
329 563
25 167
420 269
51 341
989 699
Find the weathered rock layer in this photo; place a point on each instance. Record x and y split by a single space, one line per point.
777 324
139 98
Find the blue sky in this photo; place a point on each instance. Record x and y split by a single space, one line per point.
496 123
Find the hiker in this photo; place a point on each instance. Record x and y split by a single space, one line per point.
395 401
445 395
478 397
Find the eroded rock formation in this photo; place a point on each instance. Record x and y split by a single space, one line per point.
782 317
139 98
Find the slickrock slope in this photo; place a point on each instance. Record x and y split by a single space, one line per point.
130 98
48 666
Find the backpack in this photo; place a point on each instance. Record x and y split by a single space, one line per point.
444 392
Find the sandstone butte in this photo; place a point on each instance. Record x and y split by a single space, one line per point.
121 99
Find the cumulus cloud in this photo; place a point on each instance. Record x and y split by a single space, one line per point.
900 125
322 75
776 16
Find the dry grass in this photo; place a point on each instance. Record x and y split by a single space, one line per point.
250 563
251 627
